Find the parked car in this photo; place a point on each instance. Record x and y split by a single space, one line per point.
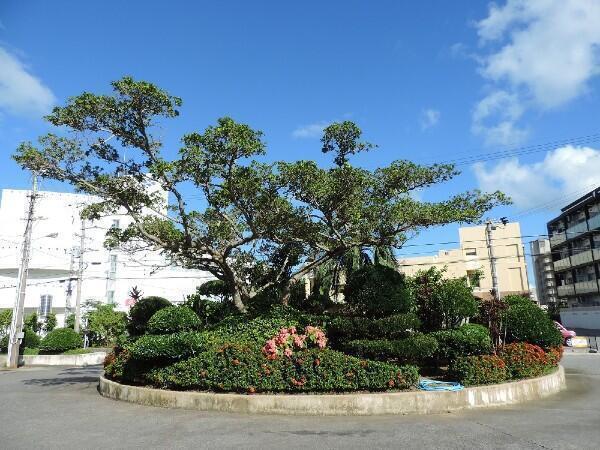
566 334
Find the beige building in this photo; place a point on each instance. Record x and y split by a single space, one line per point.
473 256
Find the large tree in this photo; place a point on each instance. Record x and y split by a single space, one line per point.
253 225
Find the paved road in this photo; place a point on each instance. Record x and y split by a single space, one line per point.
60 408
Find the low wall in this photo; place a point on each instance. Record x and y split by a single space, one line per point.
410 402
83 359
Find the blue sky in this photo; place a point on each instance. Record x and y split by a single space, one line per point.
427 81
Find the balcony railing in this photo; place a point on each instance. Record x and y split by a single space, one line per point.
562 264
594 222
576 230
586 287
558 239
596 253
565 290
585 257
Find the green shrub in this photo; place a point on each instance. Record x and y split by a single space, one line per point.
344 329
30 340
470 339
482 369
236 368
377 291
105 325
525 360
49 323
31 351
173 319
60 340
442 303
5 321
526 322
172 346
142 311
414 349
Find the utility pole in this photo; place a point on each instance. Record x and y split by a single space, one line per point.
79 277
489 226
16 326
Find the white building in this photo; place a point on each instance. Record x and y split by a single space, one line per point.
108 275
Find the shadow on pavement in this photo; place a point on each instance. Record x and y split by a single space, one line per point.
60 381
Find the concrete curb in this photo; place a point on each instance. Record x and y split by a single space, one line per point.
411 402
81 360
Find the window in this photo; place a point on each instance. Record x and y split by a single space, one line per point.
45 305
470 251
115 223
110 297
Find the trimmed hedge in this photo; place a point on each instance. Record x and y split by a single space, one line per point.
171 346
237 368
482 369
173 319
342 329
142 311
525 360
526 322
60 340
377 291
415 348
467 340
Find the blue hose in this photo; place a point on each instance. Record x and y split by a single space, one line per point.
433 385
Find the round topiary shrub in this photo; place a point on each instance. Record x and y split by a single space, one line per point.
60 340
482 369
527 322
142 311
377 291
30 340
173 319
467 340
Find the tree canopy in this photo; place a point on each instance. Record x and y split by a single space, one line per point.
259 224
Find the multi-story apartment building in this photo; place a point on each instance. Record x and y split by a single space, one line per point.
473 257
543 270
575 243
108 275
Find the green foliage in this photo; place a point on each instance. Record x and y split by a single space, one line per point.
235 368
142 311
525 360
30 340
416 348
251 210
173 319
105 325
5 321
467 340
526 322
60 340
172 346
442 303
376 291
70 321
80 351
343 329
32 322
31 351
482 369
210 312
49 323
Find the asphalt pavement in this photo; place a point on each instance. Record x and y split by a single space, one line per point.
61 408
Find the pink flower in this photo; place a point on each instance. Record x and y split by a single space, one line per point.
299 340
288 352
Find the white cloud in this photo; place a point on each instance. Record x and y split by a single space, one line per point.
541 52
495 118
429 118
20 92
564 170
312 130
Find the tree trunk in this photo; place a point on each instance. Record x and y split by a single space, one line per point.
238 302
286 294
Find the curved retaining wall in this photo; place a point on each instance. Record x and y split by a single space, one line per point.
410 402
